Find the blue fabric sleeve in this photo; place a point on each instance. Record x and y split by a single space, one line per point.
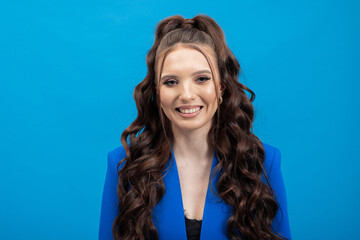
109 206
281 220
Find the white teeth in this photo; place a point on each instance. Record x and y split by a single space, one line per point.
191 110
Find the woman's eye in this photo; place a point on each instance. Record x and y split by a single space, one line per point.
170 82
203 79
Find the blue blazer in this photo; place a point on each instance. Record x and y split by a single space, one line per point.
168 214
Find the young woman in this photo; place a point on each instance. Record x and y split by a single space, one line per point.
190 166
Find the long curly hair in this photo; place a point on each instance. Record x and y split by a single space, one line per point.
147 142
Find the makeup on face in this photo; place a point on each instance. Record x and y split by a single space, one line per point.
187 89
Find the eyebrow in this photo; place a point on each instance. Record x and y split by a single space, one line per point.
193 74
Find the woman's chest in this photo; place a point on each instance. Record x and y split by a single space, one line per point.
193 187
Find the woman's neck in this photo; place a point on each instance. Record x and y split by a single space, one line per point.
192 147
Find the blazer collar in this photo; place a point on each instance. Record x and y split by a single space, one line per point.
168 214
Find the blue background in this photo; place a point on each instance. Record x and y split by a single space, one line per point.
68 70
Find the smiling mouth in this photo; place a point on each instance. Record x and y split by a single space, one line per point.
188 110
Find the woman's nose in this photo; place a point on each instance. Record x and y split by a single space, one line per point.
187 91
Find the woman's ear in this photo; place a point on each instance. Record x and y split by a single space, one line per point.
221 89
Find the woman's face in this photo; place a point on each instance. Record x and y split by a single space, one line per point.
187 88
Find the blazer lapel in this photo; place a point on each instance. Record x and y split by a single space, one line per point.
168 214
216 212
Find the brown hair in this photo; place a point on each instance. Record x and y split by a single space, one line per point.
147 142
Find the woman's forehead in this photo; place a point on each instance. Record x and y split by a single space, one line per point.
184 58
177 57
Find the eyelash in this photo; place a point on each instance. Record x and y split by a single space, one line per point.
167 82
205 78
171 82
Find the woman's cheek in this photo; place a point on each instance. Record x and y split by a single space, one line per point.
166 99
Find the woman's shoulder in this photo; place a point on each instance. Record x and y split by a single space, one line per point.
118 152
115 156
272 166
272 157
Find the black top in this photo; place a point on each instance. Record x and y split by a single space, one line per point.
193 228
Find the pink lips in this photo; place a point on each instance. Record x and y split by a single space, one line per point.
189 115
